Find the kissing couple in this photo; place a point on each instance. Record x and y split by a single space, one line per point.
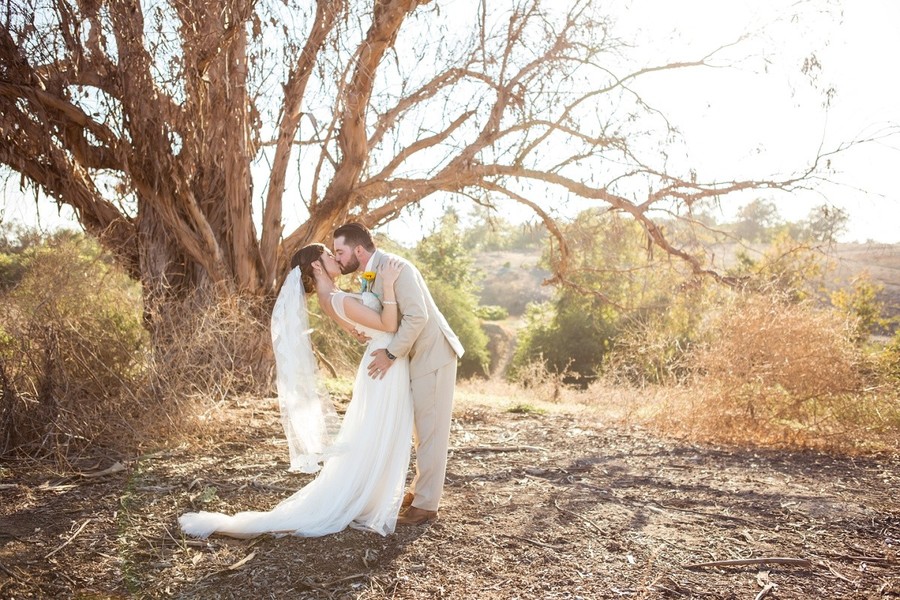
403 391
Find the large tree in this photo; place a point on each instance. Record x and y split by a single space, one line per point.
183 133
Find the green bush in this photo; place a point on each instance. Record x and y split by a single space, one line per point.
611 279
888 361
446 265
559 335
862 304
492 313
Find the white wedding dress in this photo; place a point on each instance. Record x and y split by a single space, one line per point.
361 482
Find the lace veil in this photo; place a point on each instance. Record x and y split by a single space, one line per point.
307 414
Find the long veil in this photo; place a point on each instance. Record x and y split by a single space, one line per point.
307 414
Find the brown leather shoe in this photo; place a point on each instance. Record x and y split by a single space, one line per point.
416 516
408 498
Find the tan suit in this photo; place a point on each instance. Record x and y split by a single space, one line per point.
433 350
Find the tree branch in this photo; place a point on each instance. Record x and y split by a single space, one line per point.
387 18
294 90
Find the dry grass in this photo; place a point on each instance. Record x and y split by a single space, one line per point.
777 372
70 355
208 350
866 422
764 372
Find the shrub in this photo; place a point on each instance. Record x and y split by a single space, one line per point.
446 265
564 338
72 348
213 348
887 361
655 345
612 278
771 367
861 303
492 313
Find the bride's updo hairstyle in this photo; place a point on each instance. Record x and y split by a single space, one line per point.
304 258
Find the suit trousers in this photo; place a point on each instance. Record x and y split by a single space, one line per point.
432 395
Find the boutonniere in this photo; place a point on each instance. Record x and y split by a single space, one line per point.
366 280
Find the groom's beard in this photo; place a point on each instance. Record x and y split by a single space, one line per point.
350 267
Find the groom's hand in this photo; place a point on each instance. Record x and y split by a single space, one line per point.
360 336
380 364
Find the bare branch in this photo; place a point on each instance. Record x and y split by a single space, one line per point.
294 90
387 18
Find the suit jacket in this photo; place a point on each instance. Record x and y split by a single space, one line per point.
424 334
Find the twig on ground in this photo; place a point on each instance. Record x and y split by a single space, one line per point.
535 542
242 562
343 579
577 516
116 467
765 591
868 559
500 449
699 512
68 541
834 572
775 560
156 489
6 570
271 488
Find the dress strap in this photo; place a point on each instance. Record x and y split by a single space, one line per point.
337 303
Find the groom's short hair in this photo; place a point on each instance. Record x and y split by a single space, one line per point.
356 234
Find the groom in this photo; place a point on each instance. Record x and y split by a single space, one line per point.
433 349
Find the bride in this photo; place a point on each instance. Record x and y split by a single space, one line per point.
361 482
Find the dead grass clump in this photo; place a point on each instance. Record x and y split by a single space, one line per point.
762 341
543 382
71 351
776 371
207 349
210 351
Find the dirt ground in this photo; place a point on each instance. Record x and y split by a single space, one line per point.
553 505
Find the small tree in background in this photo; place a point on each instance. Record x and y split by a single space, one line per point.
617 278
861 303
757 221
824 224
447 266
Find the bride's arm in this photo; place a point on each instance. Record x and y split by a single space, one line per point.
389 317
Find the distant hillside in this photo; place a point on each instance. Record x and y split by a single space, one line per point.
512 280
880 261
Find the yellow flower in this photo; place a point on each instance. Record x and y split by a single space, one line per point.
369 275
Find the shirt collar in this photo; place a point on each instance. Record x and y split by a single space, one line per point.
370 266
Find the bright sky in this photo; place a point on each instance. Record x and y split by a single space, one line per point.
760 116
770 116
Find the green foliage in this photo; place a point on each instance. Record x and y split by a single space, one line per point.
446 265
655 345
888 362
787 267
861 303
492 313
613 278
